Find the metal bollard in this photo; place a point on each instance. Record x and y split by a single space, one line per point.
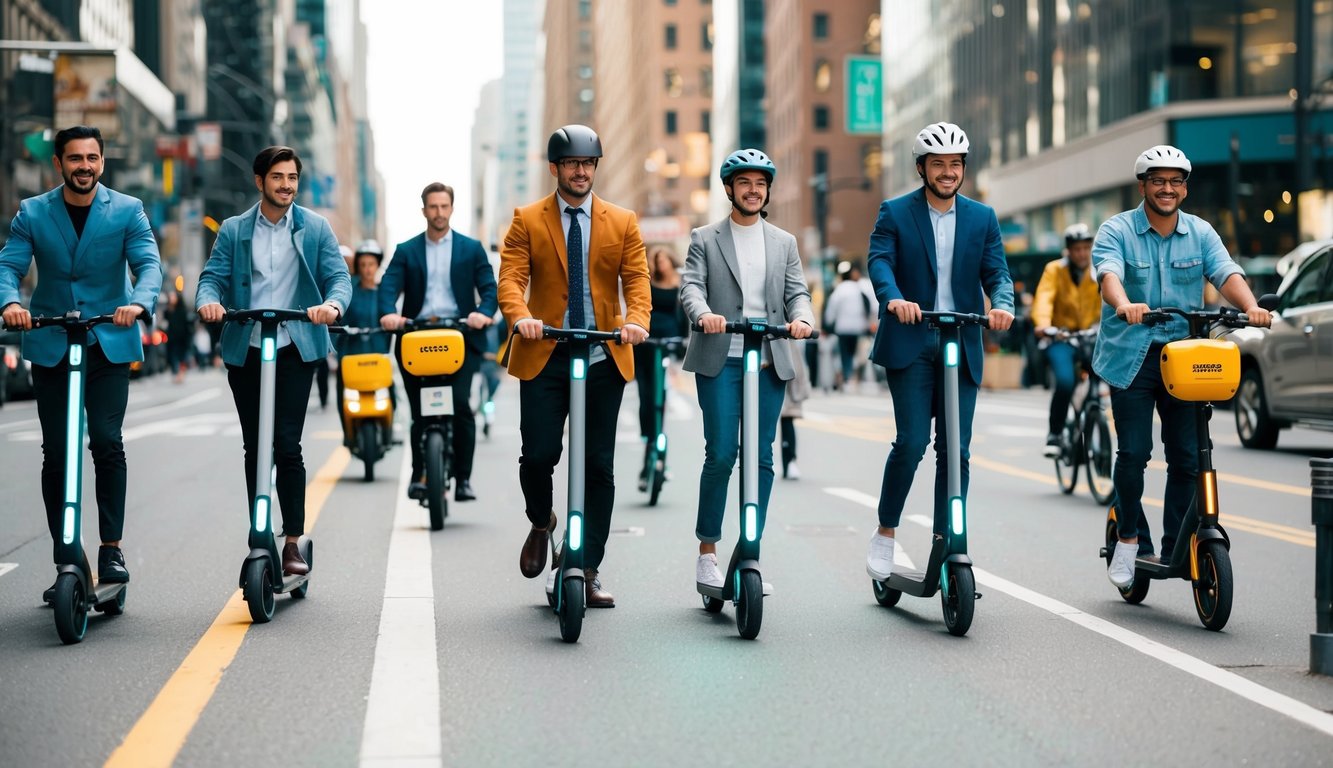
1321 513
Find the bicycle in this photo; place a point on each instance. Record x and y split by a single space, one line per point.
1086 438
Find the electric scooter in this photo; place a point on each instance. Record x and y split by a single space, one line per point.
433 351
367 401
75 593
949 570
1197 369
261 574
742 583
565 593
654 460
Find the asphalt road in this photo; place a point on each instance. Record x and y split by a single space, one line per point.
430 648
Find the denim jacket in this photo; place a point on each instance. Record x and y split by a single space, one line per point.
1157 271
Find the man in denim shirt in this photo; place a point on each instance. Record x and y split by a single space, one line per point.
1151 257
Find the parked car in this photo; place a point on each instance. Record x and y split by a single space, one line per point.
1287 370
15 373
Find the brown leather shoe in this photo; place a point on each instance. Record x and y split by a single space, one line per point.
532 560
597 597
292 562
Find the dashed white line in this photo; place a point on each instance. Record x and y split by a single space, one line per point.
7 567
1229 681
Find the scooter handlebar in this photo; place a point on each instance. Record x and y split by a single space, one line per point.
1226 316
768 330
67 320
433 324
957 319
579 334
262 315
353 330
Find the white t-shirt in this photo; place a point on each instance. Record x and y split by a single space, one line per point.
750 257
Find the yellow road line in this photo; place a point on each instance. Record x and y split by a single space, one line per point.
860 429
157 738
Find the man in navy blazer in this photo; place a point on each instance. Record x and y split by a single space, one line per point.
931 249
277 255
86 240
445 274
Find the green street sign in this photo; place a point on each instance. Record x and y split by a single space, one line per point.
865 95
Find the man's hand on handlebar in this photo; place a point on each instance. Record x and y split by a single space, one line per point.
529 328
907 312
126 315
1000 319
323 314
1132 313
17 318
391 322
713 323
476 321
1258 316
799 329
632 334
212 313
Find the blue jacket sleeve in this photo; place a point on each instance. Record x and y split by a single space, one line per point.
391 284
883 257
484 278
995 276
335 283
144 261
215 279
15 259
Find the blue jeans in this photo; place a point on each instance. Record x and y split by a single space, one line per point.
720 401
1060 358
1133 409
918 397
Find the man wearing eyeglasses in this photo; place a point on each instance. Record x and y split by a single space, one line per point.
1151 257
565 261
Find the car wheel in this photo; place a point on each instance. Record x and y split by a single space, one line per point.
1255 427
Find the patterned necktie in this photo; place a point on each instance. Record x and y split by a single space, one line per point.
575 253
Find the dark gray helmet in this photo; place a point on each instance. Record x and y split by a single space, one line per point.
573 141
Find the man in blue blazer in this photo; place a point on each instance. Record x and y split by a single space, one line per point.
86 240
276 255
937 250
442 273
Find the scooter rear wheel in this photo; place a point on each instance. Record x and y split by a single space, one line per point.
367 445
571 609
70 611
712 604
115 606
435 477
258 591
750 605
959 599
884 594
656 477
1213 590
308 554
1135 593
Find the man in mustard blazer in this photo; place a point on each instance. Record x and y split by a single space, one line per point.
565 261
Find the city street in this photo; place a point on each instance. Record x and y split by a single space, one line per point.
420 648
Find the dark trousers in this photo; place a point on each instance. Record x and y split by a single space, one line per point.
106 391
1133 408
847 354
292 394
543 409
1060 357
647 375
322 380
788 424
918 397
465 423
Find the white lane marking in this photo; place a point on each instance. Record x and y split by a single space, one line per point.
1229 681
403 709
7 567
900 557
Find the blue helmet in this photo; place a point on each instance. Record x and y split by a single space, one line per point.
747 160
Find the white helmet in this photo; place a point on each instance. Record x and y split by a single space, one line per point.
1077 232
1161 156
940 139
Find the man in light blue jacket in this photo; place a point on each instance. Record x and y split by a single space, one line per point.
85 240
277 255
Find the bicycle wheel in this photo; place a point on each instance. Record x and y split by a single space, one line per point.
1070 456
1099 454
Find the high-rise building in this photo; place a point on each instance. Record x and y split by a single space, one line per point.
487 218
517 166
569 92
738 117
827 191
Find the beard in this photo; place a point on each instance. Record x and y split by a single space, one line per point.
571 191
273 200
740 205
1157 209
80 187
941 194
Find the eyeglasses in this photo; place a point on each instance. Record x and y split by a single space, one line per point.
1159 182
573 163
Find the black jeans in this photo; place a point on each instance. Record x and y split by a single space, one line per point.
646 375
465 422
543 408
294 377
106 391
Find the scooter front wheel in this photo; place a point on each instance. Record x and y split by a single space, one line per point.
884 594
258 590
1213 590
70 610
750 605
367 445
959 599
571 609
435 493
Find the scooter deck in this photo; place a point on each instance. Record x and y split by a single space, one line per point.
292 582
914 583
1155 569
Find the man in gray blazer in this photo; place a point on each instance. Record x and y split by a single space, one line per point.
277 255
737 269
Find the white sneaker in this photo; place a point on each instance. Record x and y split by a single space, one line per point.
879 563
792 472
1121 569
706 571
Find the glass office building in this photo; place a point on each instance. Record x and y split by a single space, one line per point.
1059 96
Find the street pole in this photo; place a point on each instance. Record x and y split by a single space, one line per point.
1321 514
1304 99
1234 184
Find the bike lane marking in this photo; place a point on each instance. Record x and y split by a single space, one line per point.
402 724
160 733
1229 681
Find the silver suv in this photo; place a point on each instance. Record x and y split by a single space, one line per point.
1287 370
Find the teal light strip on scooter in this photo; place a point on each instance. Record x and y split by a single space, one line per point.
270 348
956 516
951 354
575 532
752 361
578 368
261 514
751 522
73 444
661 443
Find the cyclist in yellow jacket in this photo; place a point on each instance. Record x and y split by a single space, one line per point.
1067 300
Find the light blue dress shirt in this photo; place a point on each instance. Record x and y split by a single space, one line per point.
439 301
1157 271
597 353
273 270
945 225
